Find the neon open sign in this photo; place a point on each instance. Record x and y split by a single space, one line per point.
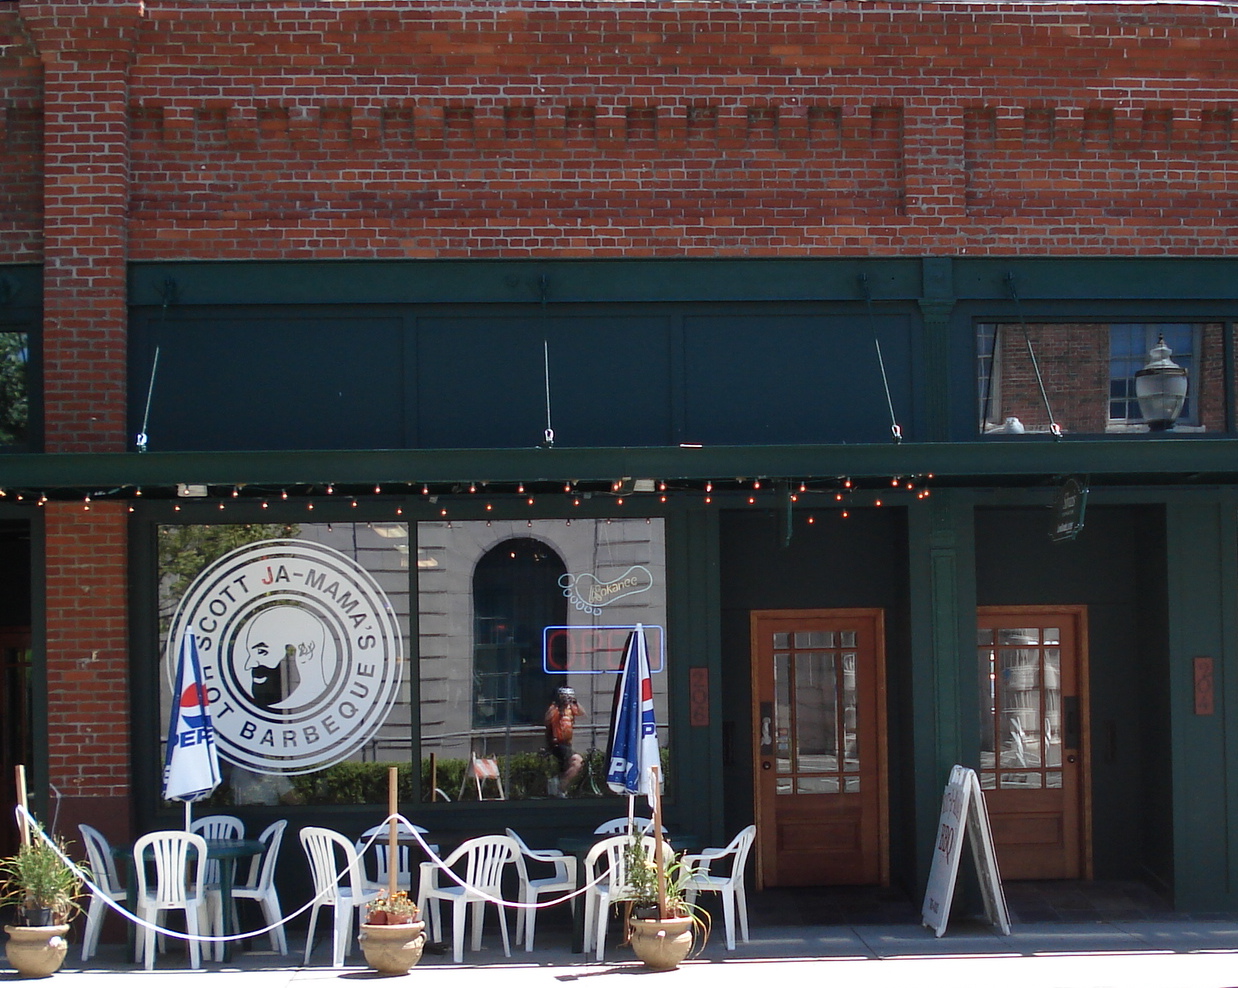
593 649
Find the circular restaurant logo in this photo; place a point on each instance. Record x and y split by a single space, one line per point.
300 651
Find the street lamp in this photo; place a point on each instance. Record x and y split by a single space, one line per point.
1161 388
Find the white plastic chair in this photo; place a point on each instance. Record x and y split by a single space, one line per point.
259 885
619 825
730 886
103 870
179 860
404 852
344 888
607 862
218 827
532 889
479 863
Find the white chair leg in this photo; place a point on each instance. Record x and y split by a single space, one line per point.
309 937
94 921
603 909
507 947
741 905
272 914
457 931
728 915
478 919
527 919
590 905
195 947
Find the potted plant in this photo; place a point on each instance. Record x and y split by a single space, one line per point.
45 891
392 935
662 928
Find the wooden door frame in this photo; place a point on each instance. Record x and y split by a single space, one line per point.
1079 614
877 614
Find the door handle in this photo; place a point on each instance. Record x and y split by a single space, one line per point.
1070 722
765 736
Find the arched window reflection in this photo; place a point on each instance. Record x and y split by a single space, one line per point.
516 593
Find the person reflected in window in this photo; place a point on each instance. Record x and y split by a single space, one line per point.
560 726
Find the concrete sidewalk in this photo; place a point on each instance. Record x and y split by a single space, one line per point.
1172 953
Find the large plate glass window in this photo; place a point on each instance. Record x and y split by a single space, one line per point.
509 613
302 635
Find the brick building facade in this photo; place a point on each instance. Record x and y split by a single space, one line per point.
143 143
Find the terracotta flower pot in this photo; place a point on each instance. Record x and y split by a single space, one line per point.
661 943
36 951
392 949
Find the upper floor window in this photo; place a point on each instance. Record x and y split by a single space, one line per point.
14 397
1085 374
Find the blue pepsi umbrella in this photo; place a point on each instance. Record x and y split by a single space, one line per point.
191 766
634 728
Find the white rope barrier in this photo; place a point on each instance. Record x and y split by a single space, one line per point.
23 814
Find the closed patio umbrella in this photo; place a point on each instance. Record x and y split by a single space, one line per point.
191 766
634 728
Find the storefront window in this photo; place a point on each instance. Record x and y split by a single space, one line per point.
510 612
302 635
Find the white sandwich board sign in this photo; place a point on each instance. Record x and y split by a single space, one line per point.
963 814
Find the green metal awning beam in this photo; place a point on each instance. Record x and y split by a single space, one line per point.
1148 460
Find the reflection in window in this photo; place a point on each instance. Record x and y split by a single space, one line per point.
14 398
516 593
509 612
1088 373
1129 345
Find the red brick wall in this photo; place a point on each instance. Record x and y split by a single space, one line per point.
87 593
314 129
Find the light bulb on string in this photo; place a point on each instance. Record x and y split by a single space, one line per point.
619 500
330 488
378 488
354 502
520 488
283 495
264 506
812 520
751 499
442 512
489 507
846 513
709 486
221 505
425 488
472 488
399 510
309 506
236 492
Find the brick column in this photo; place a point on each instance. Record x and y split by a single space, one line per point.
85 49
88 663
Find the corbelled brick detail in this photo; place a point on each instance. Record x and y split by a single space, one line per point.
307 129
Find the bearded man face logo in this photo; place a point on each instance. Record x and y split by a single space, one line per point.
289 657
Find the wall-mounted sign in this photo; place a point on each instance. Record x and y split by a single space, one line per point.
590 648
589 594
301 654
1068 509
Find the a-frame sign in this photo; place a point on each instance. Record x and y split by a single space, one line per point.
963 815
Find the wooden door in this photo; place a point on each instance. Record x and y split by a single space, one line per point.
1034 729
820 762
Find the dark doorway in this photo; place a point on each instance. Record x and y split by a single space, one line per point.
15 676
